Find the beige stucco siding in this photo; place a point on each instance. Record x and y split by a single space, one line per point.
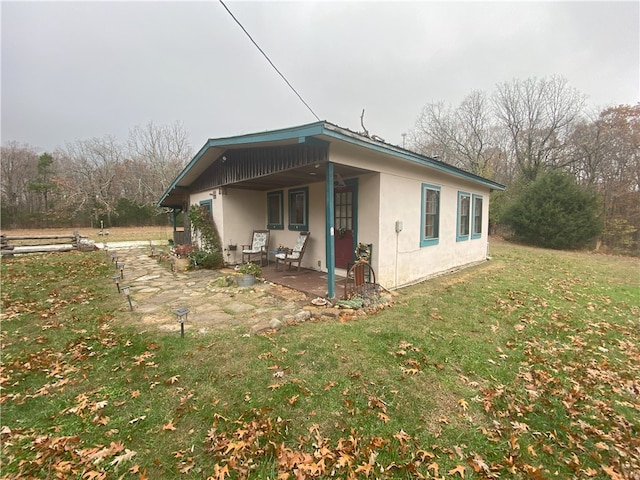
407 261
398 257
236 214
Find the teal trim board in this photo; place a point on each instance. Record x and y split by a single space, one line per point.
329 233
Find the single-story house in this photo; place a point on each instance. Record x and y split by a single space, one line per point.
420 216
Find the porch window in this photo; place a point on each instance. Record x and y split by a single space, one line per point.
208 205
464 205
476 229
430 219
299 209
275 210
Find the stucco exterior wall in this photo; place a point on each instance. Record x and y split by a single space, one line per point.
236 214
243 212
399 259
315 254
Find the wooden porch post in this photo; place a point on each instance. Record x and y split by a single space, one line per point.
329 232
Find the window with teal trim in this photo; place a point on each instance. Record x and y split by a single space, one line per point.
476 228
275 210
430 215
464 216
208 204
299 209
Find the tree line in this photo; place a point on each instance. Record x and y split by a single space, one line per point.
518 134
527 132
93 182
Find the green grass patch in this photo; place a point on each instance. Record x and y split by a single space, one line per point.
526 366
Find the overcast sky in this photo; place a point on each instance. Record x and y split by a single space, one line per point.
77 70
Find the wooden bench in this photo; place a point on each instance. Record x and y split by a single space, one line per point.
37 243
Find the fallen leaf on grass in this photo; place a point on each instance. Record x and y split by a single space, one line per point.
422 454
612 473
169 426
127 455
383 417
459 470
93 475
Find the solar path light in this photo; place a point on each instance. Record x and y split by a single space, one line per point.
127 291
120 266
181 314
116 278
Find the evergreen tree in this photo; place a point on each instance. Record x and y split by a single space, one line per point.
554 212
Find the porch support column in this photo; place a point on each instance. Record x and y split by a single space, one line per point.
175 212
329 232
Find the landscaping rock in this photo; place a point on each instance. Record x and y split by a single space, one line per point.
302 316
275 324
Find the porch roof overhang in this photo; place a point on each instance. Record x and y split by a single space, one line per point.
314 134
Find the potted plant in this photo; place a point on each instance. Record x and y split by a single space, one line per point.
249 273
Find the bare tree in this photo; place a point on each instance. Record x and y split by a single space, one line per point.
539 115
466 137
18 168
93 174
164 150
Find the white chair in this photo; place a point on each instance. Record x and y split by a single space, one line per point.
295 254
259 246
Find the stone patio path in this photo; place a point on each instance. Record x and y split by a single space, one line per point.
214 300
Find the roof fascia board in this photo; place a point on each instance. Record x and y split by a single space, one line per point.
301 132
184 171
270 136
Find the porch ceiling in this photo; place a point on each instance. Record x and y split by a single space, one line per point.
297 176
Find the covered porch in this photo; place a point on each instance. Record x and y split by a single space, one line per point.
248 182
311 282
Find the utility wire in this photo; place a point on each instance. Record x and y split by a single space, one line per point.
269 60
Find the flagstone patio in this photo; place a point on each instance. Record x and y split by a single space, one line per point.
213 299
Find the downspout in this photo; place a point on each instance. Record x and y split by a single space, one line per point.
329 232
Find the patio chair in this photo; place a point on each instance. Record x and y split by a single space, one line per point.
295 254
259 246
360 281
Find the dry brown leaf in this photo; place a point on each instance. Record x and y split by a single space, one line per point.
169 426
459 470
126 456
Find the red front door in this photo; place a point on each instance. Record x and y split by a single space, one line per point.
344 225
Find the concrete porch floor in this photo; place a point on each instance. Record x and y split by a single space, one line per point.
311 282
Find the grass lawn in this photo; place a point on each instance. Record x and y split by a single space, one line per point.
527 366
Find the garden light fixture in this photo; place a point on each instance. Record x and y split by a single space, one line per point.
127 291
116 278
181 314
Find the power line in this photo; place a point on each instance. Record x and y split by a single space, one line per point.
269 60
